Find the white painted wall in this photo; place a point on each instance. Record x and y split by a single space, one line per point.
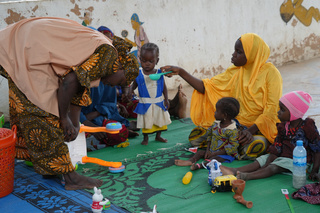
197 35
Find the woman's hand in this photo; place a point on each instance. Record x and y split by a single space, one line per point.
245 137
175 70
123 111
70 131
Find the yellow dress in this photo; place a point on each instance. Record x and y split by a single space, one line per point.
257 86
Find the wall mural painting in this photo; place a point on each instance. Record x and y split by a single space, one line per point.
140 36
87 19
294 7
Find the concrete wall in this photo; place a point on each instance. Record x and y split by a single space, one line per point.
197 35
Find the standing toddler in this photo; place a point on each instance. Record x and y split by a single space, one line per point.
152 109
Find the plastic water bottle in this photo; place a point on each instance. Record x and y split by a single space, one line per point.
299 165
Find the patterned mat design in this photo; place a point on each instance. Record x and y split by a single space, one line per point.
130 189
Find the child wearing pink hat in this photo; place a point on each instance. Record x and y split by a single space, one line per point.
293 127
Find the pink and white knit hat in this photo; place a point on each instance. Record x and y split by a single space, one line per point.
297 102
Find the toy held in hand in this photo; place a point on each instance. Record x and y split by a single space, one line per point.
157 76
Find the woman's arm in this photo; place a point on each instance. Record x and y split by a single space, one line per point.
196 83
69 122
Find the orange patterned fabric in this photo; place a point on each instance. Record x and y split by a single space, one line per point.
40 137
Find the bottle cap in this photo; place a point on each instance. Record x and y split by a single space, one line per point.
299 143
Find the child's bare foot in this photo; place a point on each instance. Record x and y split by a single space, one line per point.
242 175
228 170
145 139
182 162
145 142
158 138
195 166
75 181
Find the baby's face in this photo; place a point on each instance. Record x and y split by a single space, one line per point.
283 113
148 60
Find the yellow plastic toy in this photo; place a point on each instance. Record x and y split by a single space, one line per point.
187 178
223 183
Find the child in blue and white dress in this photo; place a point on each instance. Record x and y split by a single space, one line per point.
152 109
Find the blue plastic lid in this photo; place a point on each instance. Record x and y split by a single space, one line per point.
114 126
299 143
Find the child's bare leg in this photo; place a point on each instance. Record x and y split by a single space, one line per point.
196 166
145 139
199 154
233 171
265 172
159 138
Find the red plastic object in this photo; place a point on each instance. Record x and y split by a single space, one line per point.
7 153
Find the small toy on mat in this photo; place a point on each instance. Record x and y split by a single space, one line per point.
187 178
97 201
117 170
285 192
223 183
238 188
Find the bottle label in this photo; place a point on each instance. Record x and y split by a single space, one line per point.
299 161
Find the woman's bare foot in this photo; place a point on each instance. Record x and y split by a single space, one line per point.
75 181
182 162
242 175
228 170
158 138
195 166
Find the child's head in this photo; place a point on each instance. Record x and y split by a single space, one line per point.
227 108
149 56
293 105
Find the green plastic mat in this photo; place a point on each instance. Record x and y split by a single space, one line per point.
151 178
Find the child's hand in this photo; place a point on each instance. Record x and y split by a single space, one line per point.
166 103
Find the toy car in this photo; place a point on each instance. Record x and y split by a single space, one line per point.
223 183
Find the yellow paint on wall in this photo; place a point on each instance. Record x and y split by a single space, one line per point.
289 8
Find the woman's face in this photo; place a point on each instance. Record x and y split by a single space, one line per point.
238 57
115 79
283 113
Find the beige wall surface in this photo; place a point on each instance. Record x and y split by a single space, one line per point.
197 35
